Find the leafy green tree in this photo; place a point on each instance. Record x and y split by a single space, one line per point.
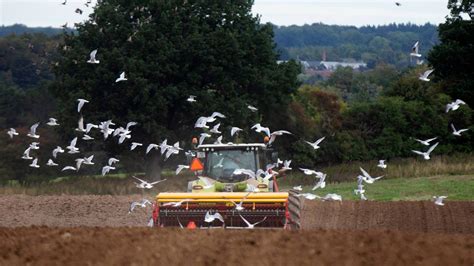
453 57
170 49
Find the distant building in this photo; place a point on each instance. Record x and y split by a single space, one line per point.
333 65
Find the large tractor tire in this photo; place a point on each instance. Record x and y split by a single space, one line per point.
295 205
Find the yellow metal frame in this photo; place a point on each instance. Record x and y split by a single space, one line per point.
260 197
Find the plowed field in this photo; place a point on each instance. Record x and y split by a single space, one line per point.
97 230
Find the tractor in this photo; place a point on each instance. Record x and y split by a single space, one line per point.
223 183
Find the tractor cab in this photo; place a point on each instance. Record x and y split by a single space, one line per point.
219 162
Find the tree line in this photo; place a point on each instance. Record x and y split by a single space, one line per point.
223 54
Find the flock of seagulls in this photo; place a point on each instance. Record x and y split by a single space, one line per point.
124 134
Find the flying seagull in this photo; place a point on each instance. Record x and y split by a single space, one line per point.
234 130
57 150
259 128
67 168
414 50
454 105
106 169
92 59
367 178
191 98
32 133
145 184
26 154
203 137
34 163
51 163
251 226
252 108
424 76
238 206
426 155
113 161
121 78
52 122
181 167
316 143
142 204
215 129
134 145
151 146
80 104
382 164
209 218
458 132
12 132
426 142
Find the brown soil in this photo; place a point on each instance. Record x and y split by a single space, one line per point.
415 216
143 246
353 233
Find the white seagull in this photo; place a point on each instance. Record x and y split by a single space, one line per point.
113 161
298 188
32 133
57 150
215 129
332 197
438 200
321 183
72 147
367 178
52 122
414 50
209 218
308 196
203 137
142 204
259 128
145 184
34 163
424 76
26 154
181 167
458 132
12 132
176 204
315 144
150 147
67 168
87 137
426 142
238 206
92 59
121 78
382 164
426 155
134 145
454 105
234 130
251 226
191 98
274 134
252 108
80 104
51 163
106 169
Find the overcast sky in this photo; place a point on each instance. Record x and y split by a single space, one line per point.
279 12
